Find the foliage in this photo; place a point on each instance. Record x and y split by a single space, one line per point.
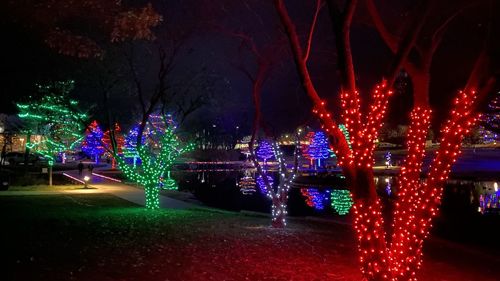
55 117
55 21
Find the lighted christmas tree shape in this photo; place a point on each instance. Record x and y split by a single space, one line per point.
247 183
319 148
130 145
120 143
54 117
388 159
92 144
156 162
264 151
305 146
244 146
341 201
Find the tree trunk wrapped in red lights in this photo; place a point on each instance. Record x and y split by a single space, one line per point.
399 257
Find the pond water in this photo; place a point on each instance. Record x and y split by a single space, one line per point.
323 195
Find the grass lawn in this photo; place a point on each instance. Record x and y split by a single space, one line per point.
101 237
42 187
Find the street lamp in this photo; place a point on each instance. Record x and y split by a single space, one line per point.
86 180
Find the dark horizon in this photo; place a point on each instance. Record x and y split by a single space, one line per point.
209 51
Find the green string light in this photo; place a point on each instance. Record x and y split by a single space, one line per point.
156 162
341 201
55 118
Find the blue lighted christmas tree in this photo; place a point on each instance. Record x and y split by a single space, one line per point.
264 151
92 144
130 146
319 148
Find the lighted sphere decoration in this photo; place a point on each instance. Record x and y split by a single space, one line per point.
341 201
264 151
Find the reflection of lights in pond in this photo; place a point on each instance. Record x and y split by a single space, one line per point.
262 184
489 202
388 186
247 185
341 201
314 197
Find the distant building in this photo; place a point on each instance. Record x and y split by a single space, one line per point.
11 135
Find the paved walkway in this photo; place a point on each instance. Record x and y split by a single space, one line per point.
50 192
101 185
128 192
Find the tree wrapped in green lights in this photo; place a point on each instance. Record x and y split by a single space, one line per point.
156 163
56 118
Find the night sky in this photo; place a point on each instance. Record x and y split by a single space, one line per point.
210 54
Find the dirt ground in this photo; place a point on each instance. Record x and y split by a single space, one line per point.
101 237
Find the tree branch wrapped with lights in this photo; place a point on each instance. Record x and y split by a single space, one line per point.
417 202
278 195
265 58
119 143
56 118
156 162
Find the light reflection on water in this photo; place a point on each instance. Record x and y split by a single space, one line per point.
481 196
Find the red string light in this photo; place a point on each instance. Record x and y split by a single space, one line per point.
418 202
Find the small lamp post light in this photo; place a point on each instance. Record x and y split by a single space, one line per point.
86 180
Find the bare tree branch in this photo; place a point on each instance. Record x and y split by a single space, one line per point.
311 30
